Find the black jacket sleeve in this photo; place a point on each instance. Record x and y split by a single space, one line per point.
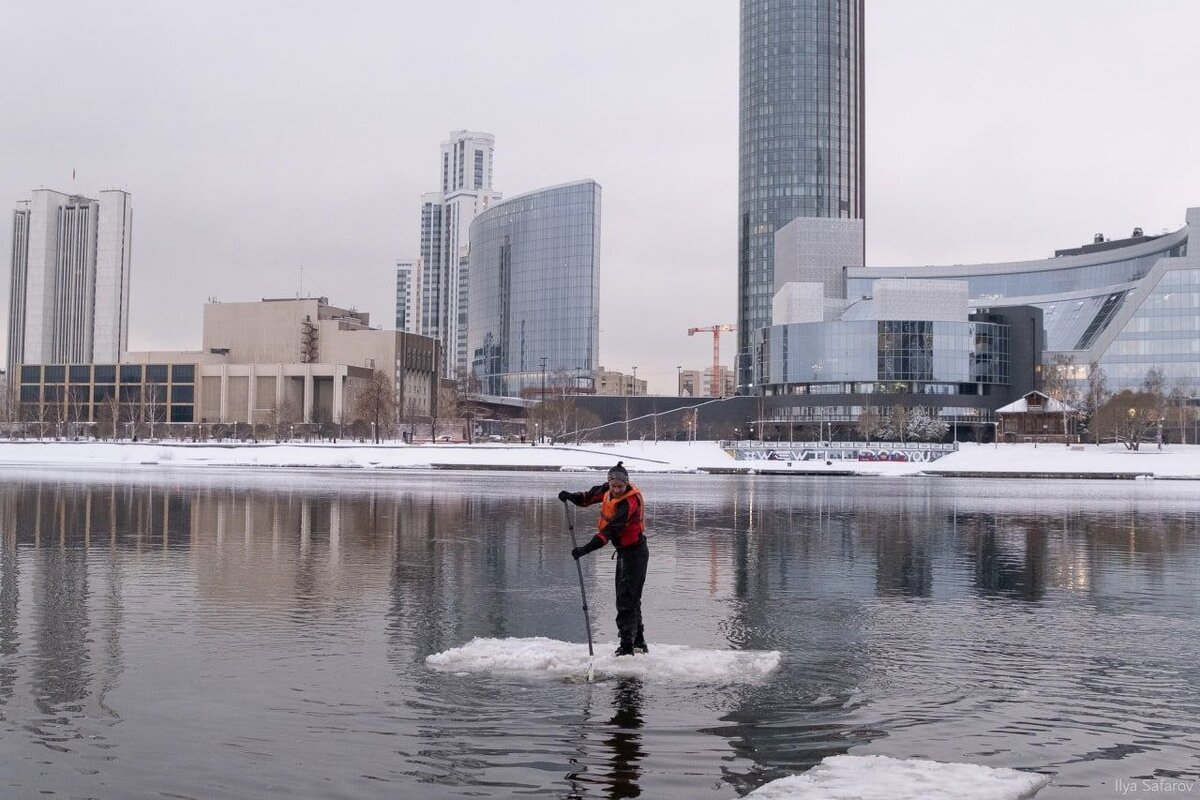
590 497
594 544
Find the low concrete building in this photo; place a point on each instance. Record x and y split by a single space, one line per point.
310 331
609 381
298 360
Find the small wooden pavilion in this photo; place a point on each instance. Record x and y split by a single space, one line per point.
1036 417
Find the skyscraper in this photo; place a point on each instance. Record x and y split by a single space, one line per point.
408 295
535 292
801 141
446 217
69 300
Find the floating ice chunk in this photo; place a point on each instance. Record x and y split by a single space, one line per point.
883 778
570 659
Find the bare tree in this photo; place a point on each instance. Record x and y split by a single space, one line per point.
40 413
867 423
154 405
1058 383
375 402
1097 395
897 422
1179 400
410 413
1130 416
108 417
281 418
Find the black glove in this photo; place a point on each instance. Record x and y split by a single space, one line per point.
563 497
594 544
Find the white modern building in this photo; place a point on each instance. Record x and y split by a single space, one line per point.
69 298
408 295
446 217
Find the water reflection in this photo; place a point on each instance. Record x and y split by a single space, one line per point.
924 620
624 739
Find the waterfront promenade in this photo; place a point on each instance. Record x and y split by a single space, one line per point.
1179 462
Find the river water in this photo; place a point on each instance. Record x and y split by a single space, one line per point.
263 634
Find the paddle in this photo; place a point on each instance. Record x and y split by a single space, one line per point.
583 592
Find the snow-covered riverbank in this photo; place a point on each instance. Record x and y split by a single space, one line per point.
1176 461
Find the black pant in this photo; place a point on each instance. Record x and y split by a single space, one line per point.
631 577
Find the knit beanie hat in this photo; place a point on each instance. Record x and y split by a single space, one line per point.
619 473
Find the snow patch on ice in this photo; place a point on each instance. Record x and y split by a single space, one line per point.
570 659
884 778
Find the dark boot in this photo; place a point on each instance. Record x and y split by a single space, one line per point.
639 641
625 648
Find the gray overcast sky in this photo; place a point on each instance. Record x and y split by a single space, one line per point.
261 137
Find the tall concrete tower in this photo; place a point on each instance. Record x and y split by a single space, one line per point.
69 300
446 216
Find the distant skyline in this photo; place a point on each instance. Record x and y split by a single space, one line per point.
297 143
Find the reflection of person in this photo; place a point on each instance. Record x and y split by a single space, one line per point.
621 515
625 741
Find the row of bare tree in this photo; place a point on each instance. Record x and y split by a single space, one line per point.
1152 412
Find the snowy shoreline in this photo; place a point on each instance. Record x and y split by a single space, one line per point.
1176 462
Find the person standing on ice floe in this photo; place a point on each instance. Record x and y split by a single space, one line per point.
621 522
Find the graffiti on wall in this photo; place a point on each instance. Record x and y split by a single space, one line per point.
916 452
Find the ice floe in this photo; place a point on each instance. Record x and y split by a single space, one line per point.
884 778
570 659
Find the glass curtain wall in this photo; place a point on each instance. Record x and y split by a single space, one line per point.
869 356
535 292
1164 333
801 139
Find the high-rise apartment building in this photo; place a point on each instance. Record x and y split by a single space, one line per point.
69 300
408 295
801 139
446 217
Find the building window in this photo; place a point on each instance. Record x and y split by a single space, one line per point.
183 373
80 373
156 373
105 373
131 373
54 373
31 374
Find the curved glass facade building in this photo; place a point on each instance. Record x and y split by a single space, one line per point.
883 357
535 292
1126 305
801 138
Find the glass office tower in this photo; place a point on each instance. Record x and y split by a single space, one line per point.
801 141
535 292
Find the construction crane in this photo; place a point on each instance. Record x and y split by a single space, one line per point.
716 330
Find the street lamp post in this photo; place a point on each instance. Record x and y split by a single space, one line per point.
542 404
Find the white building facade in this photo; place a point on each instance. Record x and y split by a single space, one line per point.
446 216
408 295
70 269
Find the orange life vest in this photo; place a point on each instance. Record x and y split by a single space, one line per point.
632 532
